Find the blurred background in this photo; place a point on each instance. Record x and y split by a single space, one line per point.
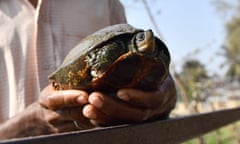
204 41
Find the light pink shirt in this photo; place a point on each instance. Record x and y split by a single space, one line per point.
33 42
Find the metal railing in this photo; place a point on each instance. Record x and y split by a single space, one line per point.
171 131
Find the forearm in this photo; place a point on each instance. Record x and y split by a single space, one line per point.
26 123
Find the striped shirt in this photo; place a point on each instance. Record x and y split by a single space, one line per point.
33 43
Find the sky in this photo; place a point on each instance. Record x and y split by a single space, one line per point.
190 29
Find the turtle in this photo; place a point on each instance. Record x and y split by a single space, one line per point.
114 57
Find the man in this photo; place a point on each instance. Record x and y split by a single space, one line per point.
35 37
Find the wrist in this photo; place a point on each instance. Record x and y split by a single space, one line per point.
29 122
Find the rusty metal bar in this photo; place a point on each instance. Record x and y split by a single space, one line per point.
169 131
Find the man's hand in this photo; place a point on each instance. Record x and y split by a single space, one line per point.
97 108
64 108
131 105
57 111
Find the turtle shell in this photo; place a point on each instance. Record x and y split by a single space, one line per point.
112 58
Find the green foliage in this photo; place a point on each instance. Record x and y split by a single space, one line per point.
223 135
233 25
232 44
231 49
193 73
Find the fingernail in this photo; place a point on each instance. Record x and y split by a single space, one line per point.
82 99
87 111
123 95
96 100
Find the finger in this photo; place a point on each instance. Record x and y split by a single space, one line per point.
68 114
56 116
111 122
65 126
150 99
116 109
61 99
166 107
74 113
141 98
96 117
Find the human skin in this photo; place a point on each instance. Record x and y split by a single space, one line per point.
56 110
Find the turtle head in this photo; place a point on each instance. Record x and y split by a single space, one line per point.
145 41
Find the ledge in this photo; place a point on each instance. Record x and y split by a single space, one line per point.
169 131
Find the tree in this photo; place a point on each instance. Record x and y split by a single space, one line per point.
192 75
194 70
231 48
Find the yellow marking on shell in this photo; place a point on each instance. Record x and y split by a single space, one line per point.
75 82
82 73
70 74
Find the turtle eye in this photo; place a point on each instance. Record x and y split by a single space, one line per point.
140 36
145 42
